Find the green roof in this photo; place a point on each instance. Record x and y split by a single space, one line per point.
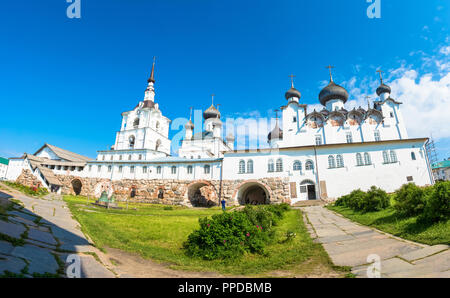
442 164
4 161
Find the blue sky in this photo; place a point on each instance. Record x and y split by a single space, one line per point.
66 81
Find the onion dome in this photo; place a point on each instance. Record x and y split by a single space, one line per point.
293 93
332 91
189 125
276 133
383 88
211 112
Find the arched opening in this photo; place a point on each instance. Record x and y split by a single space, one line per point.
157 145
253 193
308 190
202 194
136 123
77 186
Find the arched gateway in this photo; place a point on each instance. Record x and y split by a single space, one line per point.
77 186
202 194
253 193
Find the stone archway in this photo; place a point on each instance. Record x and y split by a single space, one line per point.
253 193
202 194
77 186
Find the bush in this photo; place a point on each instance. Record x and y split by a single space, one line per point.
437 207
355 199
32 191
231 234
374 200
410 199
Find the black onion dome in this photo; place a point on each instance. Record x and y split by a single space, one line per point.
276 133
333 91
293 93
383 88
211 112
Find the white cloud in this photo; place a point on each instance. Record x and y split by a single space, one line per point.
445 50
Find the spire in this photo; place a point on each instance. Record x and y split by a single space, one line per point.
381 78
331 76
292 80
152 75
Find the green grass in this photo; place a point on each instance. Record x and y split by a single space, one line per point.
405 227
157 233
40 192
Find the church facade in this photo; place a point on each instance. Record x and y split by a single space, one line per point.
311 155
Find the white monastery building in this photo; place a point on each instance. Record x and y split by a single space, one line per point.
312 155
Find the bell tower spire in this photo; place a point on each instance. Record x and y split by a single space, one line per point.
150 91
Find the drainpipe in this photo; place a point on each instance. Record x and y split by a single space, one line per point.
317 173
220 183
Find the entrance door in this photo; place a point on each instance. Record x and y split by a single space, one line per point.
311 192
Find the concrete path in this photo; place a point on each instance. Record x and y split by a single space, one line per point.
357 246
37 238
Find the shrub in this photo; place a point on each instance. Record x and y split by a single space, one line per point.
374 200
231 234
437 207
32 191
410 199
355 199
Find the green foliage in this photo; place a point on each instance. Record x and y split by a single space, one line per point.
230 235
437 206
32 191
410 200
375 199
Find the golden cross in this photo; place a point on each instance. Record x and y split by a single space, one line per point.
330 67
292 80
381 78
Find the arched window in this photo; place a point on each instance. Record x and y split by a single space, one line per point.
140 156
157 125
359 161
250 166
157 145
376 135
393 156
331 162
279 165
270 166
120 157
129 157
120 169
309 166
207 169
144 169
174 170
241 167
158 169
340 161
385 157
132 140
132 169
297 165
413 156
136 123
189 169
367 159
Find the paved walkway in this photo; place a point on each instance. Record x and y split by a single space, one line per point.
37 237
350 244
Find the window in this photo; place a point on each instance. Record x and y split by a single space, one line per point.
318 140
393 156
157 145
207 169
132 169
391 114
409 178
144 169
303 188
157 125
103 157
136 123
331 162
349 137
413 156
376 135
250 166
340 161
120 157
279 165
120 169
109 169
297 166
111 157
158 170
241 167
385 157
99 168
309 166
270 166
174 170
140 156
189 169
294 119
359 159
129 157
90 168
132 140
367 160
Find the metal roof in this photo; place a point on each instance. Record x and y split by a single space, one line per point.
442 164
4 161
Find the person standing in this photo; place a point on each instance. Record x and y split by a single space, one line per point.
223 204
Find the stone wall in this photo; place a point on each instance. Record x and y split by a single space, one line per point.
28 179
176 192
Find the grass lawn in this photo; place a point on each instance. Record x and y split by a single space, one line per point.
405 227
158 234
